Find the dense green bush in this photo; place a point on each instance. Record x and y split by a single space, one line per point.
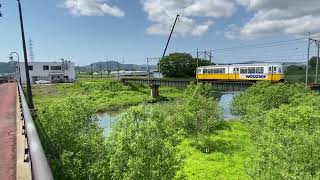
141 147
288 144
197 112
143 141
73 142
142 144
264 96
284 123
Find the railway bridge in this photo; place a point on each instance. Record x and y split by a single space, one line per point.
155 83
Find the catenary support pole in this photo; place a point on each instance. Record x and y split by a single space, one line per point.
307 66
317 67
91 71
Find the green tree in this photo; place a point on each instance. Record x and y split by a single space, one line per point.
313 62
180 65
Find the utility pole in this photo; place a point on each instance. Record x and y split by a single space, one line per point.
308 57
197 65
118 67
107 67
317 43
29 91
165 50
318 46
153 59
100 70
91 71
148 59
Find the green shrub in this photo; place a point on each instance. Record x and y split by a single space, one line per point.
143 141
264 96
284 122
140 146
72 140
288 144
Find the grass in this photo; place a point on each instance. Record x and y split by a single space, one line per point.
299 76
222 155
105 94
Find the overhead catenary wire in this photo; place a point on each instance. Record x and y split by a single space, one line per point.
263 45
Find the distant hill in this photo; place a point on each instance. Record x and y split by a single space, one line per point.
8 67
113 66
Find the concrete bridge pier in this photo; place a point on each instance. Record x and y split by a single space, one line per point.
154 91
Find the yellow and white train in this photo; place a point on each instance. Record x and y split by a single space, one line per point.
242 72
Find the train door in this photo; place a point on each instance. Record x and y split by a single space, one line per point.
272 72
235 73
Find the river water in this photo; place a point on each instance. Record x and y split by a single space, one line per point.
225 102
108 118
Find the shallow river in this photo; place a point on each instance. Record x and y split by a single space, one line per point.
107 119
225 102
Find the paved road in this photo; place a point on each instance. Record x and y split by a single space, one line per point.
7 131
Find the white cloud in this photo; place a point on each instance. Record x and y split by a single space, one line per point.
196 16
92 8
294 17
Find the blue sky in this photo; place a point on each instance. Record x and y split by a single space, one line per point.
98 30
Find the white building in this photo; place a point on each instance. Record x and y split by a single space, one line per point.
50 71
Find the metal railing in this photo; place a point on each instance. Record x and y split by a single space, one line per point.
40 168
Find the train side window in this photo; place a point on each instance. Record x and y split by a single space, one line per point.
216 70
279 70
275 69
243 70
210 71
251 70
205 71
222 70
270 69
198 71
259 70
237 69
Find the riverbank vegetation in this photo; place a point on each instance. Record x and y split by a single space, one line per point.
283 121
103 94
167 140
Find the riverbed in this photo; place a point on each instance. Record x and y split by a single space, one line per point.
107 119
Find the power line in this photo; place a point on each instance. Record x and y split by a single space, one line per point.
262 45
264 57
